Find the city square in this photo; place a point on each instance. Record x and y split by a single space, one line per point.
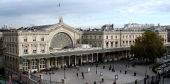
102 72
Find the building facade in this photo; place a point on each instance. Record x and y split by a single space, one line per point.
55 46
136 26
114 39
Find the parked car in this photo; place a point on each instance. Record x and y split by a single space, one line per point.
159 70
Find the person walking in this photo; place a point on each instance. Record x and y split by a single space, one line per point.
83 75
77 74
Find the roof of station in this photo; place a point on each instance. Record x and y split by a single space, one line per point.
73 52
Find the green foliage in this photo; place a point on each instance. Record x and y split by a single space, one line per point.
148 47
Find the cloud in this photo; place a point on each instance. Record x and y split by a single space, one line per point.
22 12
146 6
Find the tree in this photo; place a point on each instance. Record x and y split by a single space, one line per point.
148 47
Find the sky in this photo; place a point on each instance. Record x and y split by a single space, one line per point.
83 13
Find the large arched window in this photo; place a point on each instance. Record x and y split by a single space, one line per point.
61 40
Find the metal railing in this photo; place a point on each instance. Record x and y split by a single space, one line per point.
148 80
43 81
49 82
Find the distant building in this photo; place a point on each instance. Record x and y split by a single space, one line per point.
114 38
108 27
168 30
136 26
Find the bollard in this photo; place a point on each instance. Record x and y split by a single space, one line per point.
103 80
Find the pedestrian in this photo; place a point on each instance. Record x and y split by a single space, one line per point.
110 67
94 82
126 65
144 80
113 70
114 82
152 82
77 74
120 71
147 76
125 71
83 75
103 80
135 81
134 73
103 67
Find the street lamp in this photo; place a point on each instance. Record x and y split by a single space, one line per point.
50 75
96 67
145 71
113 66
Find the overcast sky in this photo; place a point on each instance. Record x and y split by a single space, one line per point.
19 13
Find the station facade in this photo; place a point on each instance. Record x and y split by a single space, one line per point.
60 45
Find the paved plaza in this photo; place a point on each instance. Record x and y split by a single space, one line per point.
108 75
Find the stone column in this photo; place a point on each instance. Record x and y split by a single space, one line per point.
81 58
30 65
75 60
87 60
48 63
38 64
92 58
56 64
126 54
97 57
53 62
63 61
69 60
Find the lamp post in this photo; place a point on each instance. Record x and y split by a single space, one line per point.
145 71
163 75
50 75
96 67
